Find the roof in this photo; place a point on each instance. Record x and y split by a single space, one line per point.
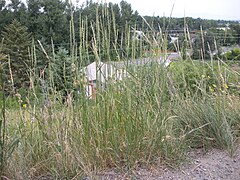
103 72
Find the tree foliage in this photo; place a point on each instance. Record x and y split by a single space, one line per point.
16 45
63 70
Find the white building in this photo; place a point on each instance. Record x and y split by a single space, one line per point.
101 73
223 28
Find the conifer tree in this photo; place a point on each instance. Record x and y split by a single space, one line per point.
55 25
63 71
16 44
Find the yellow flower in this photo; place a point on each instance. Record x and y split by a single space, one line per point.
24 105
211 89
225 86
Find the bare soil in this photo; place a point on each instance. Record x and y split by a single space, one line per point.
213 165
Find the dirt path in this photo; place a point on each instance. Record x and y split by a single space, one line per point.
216 164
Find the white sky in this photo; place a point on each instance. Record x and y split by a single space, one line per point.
205 9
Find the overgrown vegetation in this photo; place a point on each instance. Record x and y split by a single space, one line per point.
51 129
233 54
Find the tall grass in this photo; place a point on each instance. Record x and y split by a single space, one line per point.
153 117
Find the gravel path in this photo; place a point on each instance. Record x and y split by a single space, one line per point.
214 165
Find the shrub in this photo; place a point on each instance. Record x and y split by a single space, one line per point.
233 54
193 77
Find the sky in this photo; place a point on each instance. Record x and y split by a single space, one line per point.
205 9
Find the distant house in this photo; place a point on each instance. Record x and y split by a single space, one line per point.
102 73
223 28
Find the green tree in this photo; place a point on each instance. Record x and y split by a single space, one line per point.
2 4
236 29
55 25
63 71
19 11
128 16
16 44
6 16
35 18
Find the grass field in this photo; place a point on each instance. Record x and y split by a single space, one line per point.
146 120
153 117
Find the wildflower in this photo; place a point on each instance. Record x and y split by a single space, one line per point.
24 106
211 89
225 86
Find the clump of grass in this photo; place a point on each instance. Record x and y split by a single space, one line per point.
208 124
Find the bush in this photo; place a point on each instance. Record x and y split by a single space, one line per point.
198 78
193 77
233 54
